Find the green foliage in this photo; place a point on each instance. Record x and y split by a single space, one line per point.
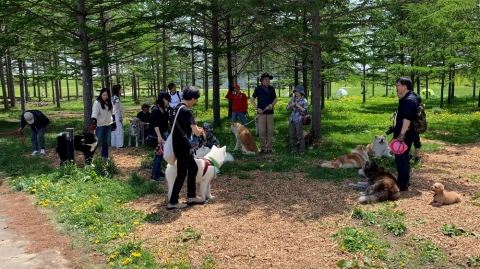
352 239
105 167
390 220
452 231
473 262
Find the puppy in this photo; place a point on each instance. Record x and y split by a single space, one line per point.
355 159
244 138
443 197
86 143
208 168
379 147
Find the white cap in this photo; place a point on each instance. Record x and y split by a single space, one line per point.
29 117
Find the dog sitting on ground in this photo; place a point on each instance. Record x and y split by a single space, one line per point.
381 185
379 147
443 197
355 159
137 130
208 168
86 143
244 138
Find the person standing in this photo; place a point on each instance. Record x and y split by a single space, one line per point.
159 128
175 96
103 119
267 99
239 104
38 124
299 106
117 135
186 165
404 130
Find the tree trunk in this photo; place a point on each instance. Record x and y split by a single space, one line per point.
205 74
87 79
228 37
215 67
316 76
22 88
4 85
164 59
10 84
442 83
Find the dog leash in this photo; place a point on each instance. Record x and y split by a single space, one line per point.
22 136
254 118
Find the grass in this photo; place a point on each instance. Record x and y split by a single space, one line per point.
89 202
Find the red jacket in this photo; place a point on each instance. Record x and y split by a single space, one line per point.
239 100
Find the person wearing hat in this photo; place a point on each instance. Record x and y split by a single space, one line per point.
38 124
208 140
266 100
239 104
158 128
186 165
404 131
299 106
144 117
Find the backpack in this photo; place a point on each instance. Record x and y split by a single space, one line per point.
420 124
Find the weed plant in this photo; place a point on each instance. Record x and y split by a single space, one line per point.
387 218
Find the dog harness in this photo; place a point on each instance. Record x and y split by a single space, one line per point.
210 162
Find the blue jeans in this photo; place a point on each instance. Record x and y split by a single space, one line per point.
157 165
41 136
103 133
240 115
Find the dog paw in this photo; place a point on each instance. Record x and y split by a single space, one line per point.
362 199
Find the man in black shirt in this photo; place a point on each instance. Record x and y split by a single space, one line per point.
144 117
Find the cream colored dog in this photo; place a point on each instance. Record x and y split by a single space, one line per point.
355 159
379 147
208 168
443 197
245 138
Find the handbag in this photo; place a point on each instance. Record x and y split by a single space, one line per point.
306 120
168 153
151 141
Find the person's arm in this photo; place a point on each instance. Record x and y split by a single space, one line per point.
405 125
270 106
117 109
229 95
290 103
197 131
159 135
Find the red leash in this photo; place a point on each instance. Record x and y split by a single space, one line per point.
22 137
90 128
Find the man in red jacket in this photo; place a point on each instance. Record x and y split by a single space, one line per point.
240 104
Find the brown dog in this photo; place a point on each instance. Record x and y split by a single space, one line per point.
443 197
355 159
244 138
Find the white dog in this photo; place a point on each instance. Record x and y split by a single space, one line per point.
379 147
208 168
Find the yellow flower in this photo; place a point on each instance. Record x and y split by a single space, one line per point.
370 246
136 223
118 201
96 241
136 254
112 263
342 248
113 256
361 231
13 180
121 234
127 261
409 256
402 264
34 190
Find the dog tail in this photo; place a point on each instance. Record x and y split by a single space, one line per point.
368 199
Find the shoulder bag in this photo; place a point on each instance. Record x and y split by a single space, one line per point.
168 153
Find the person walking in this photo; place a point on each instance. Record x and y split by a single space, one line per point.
158 127
117 135
299 106
103 119
239 104
404 131
267 99
38 124
186 165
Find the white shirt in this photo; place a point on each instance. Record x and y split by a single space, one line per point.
175 99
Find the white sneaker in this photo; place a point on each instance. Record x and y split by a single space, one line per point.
42 151
176 206
195 201
34 153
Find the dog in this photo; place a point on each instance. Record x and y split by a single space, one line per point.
245 138
443 197
381 185
379 147
137 130
207 171
355 159
203 151
86 143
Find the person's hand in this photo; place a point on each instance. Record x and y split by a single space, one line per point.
259 111
160 140
400 137
94 122
269 107
46 128
19 131
114 126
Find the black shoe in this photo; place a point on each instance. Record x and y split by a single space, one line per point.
122 147
262 151
157 178
403 189
417 159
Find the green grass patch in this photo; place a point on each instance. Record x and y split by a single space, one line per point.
390 220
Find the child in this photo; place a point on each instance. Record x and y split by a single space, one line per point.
299 106
208 140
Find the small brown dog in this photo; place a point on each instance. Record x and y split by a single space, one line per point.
443 197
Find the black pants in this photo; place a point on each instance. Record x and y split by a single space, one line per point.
186 167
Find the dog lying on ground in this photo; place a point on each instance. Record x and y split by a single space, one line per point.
208 167
355 159
381 185
379 147
244 138
443 197
86 143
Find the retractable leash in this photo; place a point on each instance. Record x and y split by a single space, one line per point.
22 136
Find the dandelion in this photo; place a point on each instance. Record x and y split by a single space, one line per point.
121 234
402 264
136 223
342 248
370 246
13 180
34 190
113 256
136 254
61 210
409 256
127 261
361 231
112 263
97 241
118 201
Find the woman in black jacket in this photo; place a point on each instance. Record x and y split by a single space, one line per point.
158 127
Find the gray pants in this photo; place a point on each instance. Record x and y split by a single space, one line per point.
296 134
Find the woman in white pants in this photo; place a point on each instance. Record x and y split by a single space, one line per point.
117 135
